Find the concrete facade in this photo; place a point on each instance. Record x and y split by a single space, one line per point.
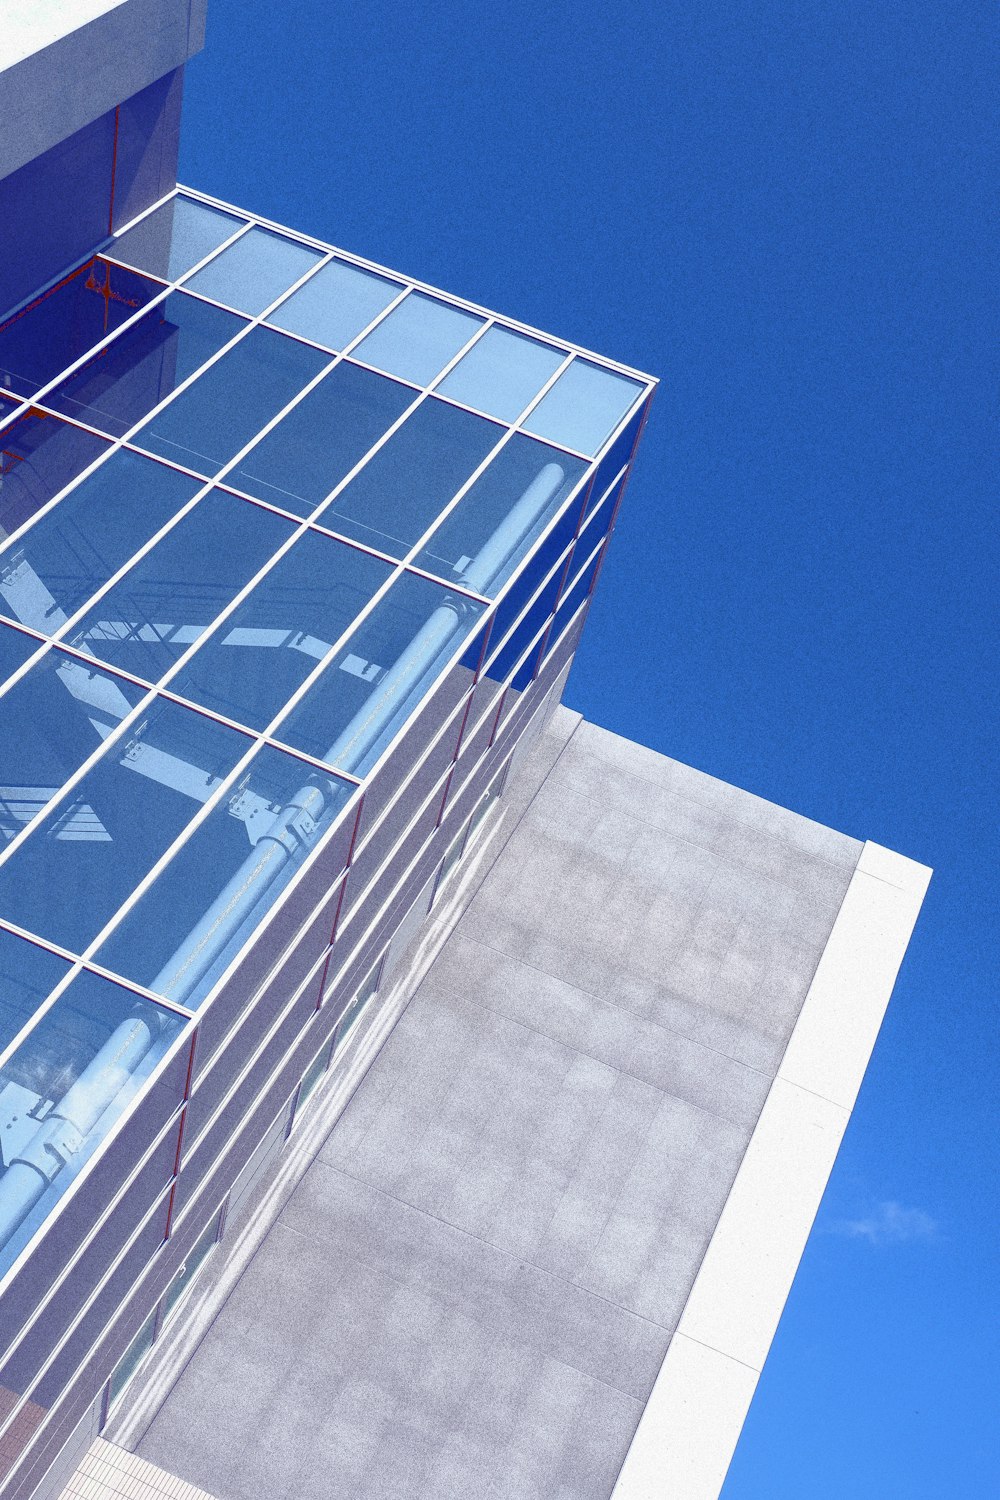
477 1286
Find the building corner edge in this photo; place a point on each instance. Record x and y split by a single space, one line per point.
688 1431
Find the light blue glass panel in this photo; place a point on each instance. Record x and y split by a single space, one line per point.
336 304
252 664
254 271
174 237
211 897
501 373
68 1083
418 338
39 456
173 593
381 675
583 407
86 855
27 975
75 548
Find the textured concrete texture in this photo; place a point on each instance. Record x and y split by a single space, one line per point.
473 1287
64 65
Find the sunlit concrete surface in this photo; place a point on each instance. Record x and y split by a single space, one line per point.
473 1288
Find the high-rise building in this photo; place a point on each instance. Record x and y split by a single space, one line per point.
388 1057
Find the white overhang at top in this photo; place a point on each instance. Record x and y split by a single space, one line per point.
64 63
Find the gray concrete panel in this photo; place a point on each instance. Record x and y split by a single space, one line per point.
474 1285
62 66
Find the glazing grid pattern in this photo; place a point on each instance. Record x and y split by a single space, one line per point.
124 671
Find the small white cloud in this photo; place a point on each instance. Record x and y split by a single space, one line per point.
889 1224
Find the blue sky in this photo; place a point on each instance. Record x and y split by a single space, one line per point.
782 210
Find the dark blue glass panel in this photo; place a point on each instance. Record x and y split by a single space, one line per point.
523 634
369 690
501 373
50 333
583 407
82 1065
307 454
219 413
253 271
95 847
336 304
27 975
616 458
50 721
172 594
15 649
174 237
576 593
527 581
418 338
7 405
75 548
403 486
208 901
251 665
493 526
124 382
39 456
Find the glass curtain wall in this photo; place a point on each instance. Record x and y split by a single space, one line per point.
291 549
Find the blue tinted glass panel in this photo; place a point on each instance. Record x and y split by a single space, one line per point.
575 594
250 666
139 370
524 633
75 547
41 340
392 501
27 975
221 411
494 525
81 1065
519 591
502 373
39 456
175 237
254 270
14 651
616 457
418 338
376 681
172 595
336 304
211 897
51 720
95 846
307 454
583 407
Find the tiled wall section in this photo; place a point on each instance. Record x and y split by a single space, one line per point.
109 1473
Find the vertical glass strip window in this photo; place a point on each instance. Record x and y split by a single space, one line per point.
336 304
253 271
418 338
174 237
501 373
583 407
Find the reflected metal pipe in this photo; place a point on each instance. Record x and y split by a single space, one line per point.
63 1133
299 824
294 830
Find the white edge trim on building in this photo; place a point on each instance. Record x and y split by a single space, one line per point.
689 1429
